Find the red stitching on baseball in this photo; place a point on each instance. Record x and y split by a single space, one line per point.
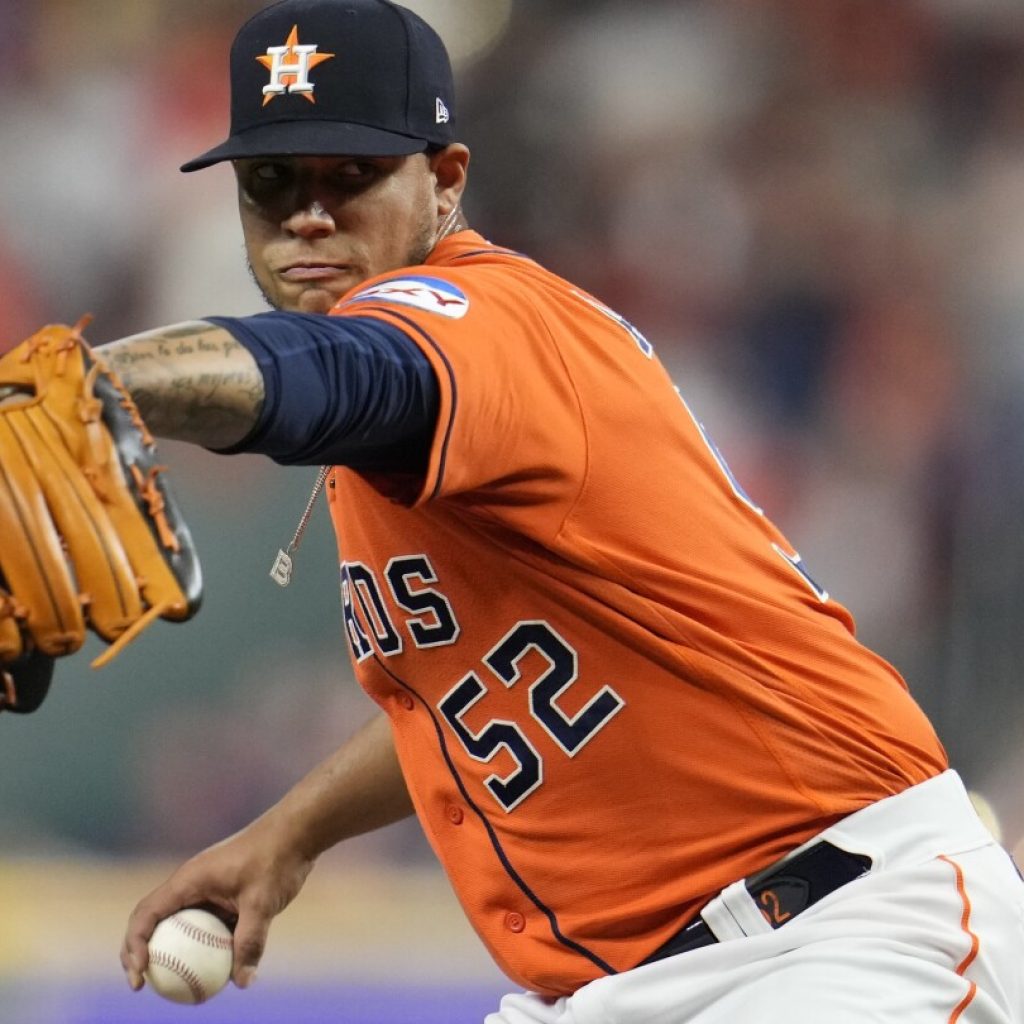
201 935
182 970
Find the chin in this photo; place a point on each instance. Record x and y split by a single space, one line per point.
312 300
317 305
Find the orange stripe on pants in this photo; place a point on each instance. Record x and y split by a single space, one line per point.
965 924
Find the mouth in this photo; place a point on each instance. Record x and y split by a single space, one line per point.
312 270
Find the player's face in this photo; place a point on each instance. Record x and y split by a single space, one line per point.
315 227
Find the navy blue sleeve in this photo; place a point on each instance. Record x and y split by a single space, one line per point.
349 391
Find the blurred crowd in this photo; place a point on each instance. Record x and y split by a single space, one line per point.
814 210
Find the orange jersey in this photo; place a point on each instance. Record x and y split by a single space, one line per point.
613 688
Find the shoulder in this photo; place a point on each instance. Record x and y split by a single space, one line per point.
485 294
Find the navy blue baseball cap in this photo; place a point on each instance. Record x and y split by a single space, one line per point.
336 77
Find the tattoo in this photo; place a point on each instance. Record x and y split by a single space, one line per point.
192 382
191 330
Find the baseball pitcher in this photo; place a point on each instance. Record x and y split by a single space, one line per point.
666 781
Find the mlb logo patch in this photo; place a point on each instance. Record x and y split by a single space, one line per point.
429 293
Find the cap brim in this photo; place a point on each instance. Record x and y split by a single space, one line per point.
308 138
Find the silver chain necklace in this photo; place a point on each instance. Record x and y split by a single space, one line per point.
281 570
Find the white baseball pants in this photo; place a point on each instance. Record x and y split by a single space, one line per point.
934 934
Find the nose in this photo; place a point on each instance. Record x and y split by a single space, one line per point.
310 221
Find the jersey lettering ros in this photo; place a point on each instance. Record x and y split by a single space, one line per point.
614 690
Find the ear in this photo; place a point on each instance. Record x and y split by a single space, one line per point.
449 167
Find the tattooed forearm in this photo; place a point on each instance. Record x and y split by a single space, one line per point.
192 382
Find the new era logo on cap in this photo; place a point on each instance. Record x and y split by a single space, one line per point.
336 77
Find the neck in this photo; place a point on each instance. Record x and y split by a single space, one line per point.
453 221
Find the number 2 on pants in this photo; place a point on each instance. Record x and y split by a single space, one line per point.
570 733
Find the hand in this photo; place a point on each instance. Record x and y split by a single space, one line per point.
248 879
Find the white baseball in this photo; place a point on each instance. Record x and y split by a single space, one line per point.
189 956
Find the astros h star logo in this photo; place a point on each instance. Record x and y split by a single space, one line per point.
289 67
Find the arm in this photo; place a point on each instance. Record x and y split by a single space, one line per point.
304 389
358 789
253 875
191 381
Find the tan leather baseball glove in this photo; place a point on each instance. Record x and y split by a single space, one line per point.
90 536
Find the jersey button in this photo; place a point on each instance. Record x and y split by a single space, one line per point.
406 701
514 921
454 813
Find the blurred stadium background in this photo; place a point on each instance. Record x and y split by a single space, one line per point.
814 208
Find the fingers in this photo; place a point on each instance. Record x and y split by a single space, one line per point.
250 941
161 903
250 934
135 946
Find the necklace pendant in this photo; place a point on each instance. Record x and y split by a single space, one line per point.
281 571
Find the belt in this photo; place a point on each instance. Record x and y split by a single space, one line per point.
781 894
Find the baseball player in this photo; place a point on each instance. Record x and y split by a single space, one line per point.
666 781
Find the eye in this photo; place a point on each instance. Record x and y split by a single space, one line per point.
264 179
267 172
355 172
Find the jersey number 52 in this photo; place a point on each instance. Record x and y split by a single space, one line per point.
570 733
